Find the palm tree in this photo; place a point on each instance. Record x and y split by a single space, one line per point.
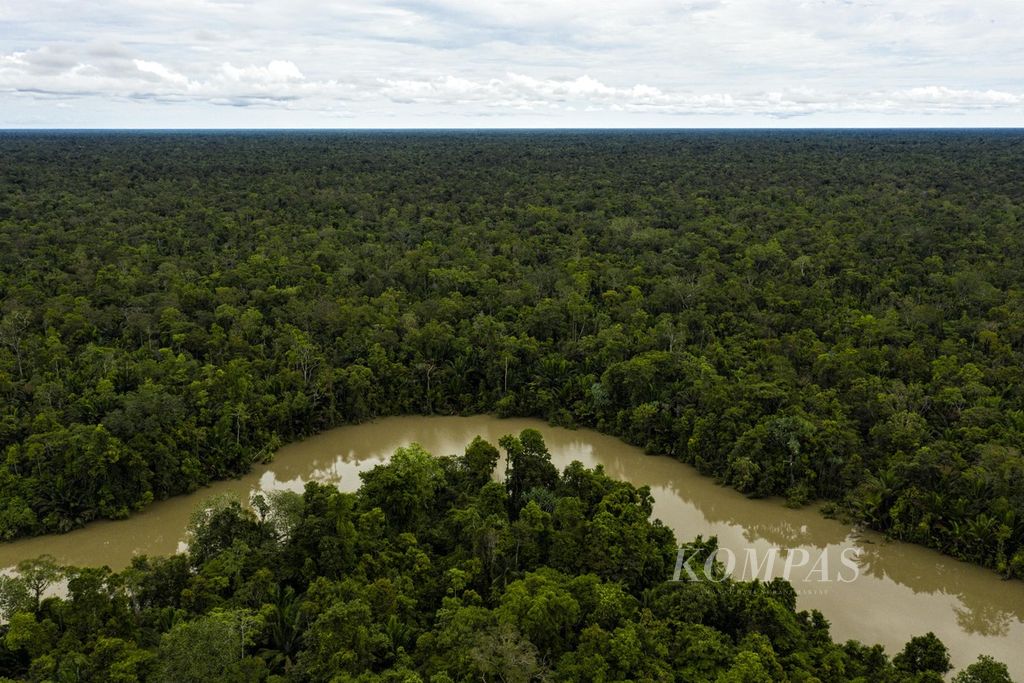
285 623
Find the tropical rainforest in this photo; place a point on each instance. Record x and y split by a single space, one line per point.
822 316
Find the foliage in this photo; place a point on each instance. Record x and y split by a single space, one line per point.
922 654
373 586
803 314
985 670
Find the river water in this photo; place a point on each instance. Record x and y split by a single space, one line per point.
885 592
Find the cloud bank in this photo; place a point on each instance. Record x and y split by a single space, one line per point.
208 63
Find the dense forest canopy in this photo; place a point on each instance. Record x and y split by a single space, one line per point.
433 572
819 315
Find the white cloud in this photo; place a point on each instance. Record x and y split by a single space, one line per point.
590 94
442 62
276 72
161 71
279 82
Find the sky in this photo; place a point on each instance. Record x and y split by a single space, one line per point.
498 64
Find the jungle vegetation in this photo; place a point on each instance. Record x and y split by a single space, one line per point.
816 315
434 572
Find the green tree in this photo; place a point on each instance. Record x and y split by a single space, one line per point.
479 462
922 654
528 465
404 487
985 670
209 648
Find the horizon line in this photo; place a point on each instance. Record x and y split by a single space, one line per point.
3 129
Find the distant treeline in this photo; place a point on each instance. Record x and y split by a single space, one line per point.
818 315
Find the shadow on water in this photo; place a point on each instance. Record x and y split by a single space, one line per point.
985 613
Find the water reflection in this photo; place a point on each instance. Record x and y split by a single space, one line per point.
903 590
977 612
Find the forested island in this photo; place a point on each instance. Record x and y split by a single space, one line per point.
822 316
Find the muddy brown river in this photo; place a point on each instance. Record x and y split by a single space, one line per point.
868 588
